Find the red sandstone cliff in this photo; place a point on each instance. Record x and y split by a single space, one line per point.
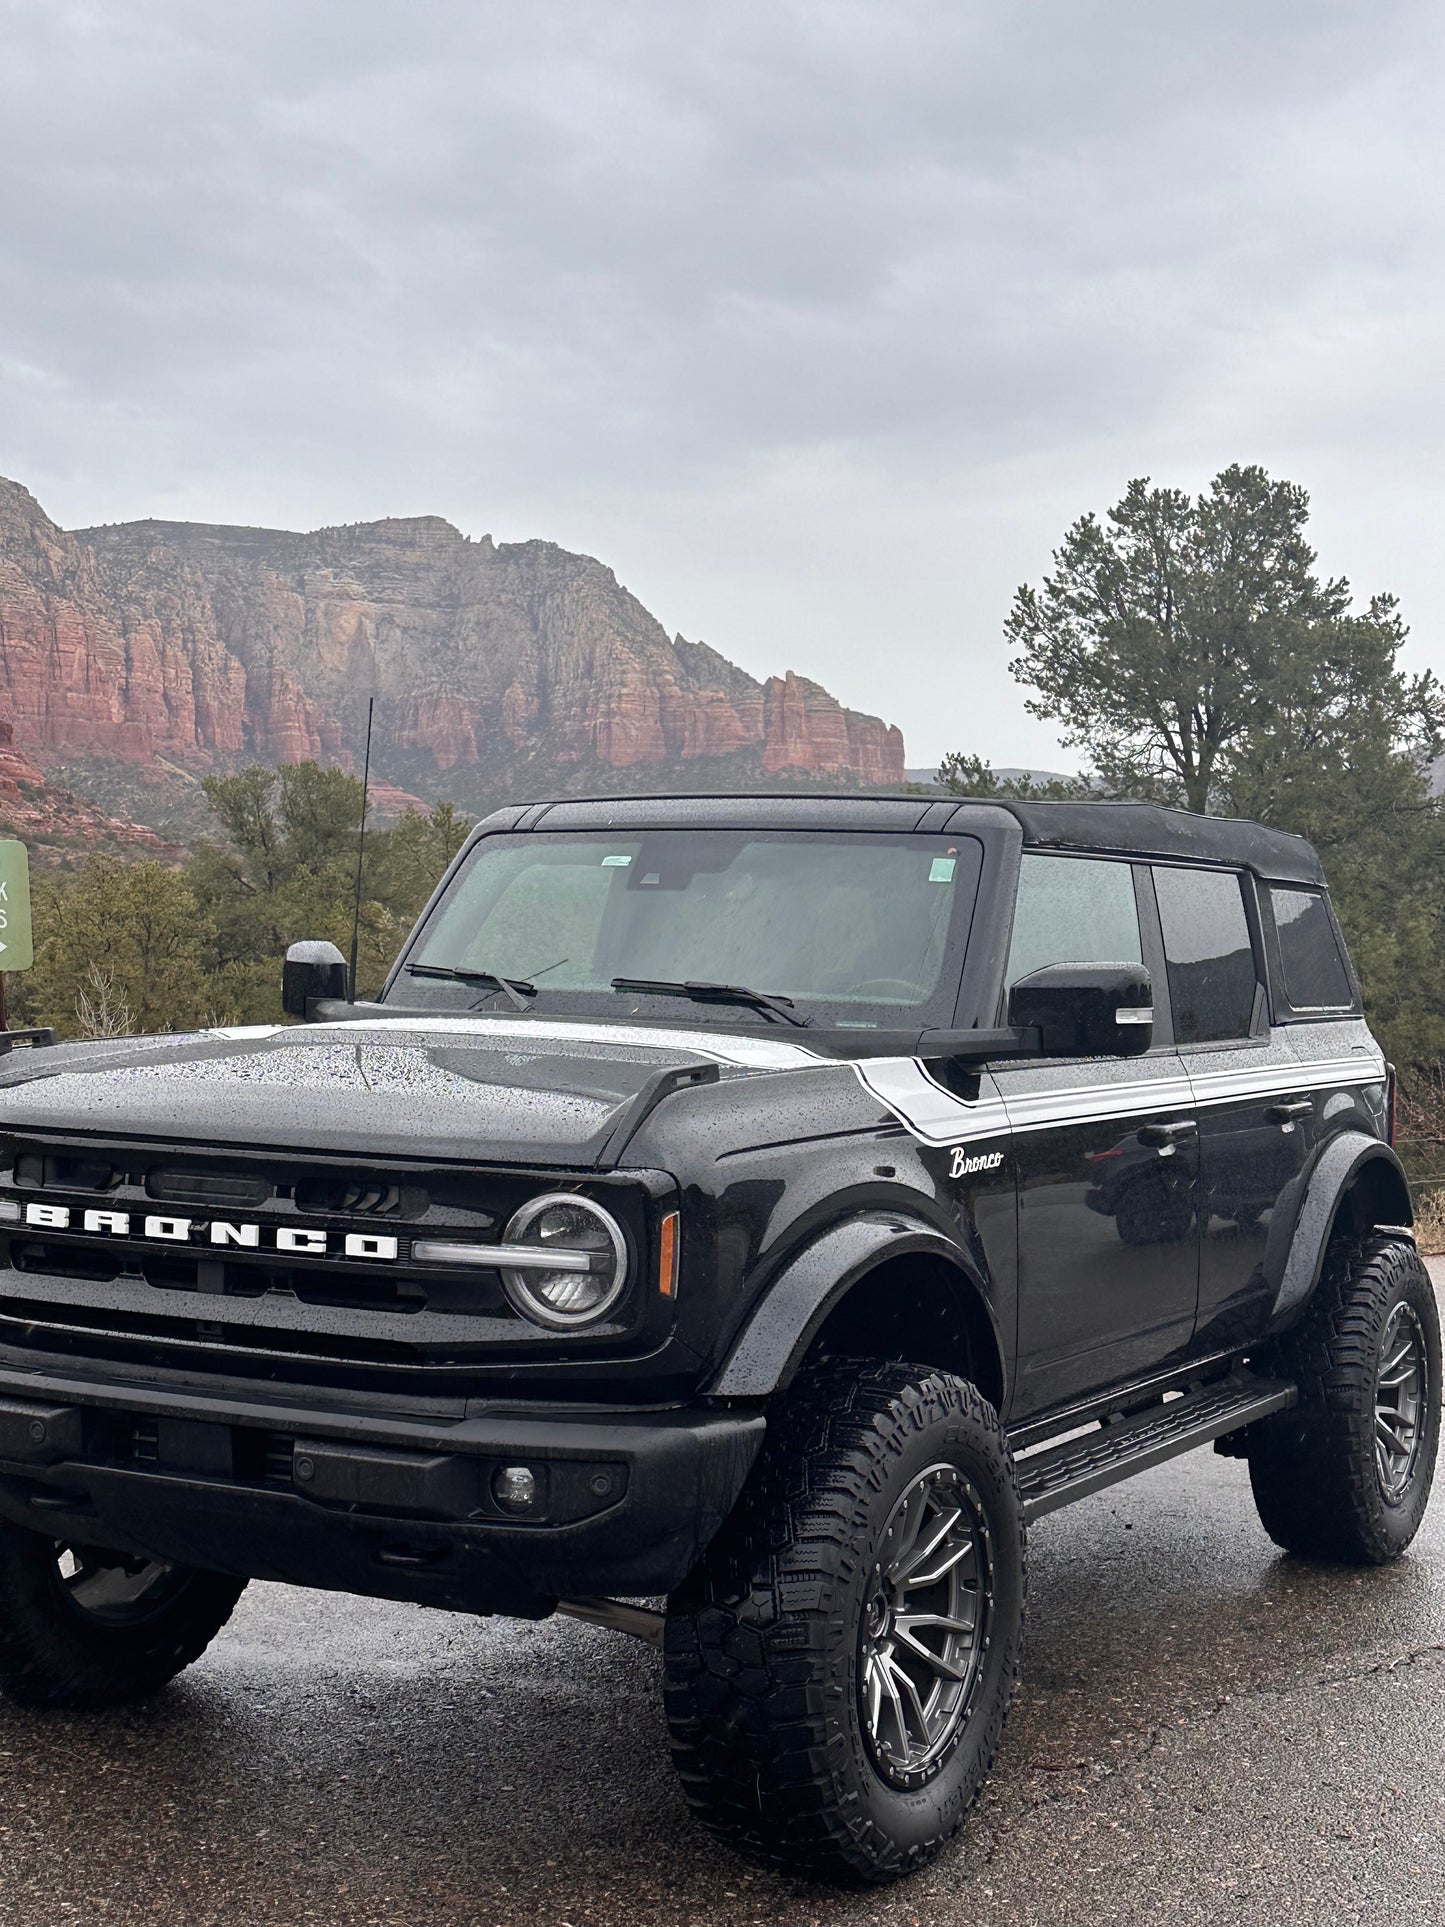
490 665
56 825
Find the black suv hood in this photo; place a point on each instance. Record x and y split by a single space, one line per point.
521 1090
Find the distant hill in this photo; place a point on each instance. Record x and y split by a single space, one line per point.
135 657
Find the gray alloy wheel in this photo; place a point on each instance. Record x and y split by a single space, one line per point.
115 1590
926 1626
1402 1392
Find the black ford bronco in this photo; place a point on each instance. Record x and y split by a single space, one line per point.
765 1205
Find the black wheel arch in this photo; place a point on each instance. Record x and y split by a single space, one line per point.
1355 1183
879 1284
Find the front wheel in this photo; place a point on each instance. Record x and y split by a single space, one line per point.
1347 1474
83 1627
839 1669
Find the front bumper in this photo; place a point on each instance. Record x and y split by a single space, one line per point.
389 1507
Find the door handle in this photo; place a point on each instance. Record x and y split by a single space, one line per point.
1291 1107
1164 1137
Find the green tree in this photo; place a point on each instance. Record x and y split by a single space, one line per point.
133 947
1190 649
1173 634
122 948
284 867
1342 756
968 775
416 852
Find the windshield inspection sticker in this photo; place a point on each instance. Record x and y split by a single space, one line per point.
615 862
941 869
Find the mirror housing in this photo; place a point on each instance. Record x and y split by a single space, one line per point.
1087 1010
313 968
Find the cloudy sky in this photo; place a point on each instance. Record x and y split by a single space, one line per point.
818 320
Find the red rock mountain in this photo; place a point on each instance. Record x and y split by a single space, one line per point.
518 667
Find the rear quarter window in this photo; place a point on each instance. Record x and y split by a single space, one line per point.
1313 973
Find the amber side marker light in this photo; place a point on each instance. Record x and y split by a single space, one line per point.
667 1256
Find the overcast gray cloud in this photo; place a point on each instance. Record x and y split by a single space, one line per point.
817 321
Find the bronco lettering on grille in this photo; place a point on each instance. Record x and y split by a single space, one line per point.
295 1239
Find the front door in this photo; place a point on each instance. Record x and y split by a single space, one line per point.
1105 1151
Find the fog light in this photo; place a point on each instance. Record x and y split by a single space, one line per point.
514 1488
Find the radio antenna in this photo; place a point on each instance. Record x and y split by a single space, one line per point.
361 845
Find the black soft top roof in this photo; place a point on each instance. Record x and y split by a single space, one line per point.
1131 829
1143 829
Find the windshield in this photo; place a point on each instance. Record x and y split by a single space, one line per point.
864 929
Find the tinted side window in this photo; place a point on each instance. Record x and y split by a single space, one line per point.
1073 910
1315 977
1207 949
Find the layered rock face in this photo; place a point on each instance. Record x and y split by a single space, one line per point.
56 825
490 665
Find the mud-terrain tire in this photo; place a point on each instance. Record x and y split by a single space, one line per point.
143 1624
1346 1474
789 1724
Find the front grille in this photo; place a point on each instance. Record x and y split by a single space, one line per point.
349 1289
222 1190
283 1313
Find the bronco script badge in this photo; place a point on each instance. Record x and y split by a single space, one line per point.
962 1165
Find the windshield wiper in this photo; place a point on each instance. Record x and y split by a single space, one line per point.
517 988
716 994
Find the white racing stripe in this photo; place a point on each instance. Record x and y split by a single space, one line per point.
740 1052
940 1117
924 1107
1228 1087
1097 1103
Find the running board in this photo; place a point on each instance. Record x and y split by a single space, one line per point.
1056 1475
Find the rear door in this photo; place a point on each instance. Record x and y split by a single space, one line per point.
1244 1074
1105 1155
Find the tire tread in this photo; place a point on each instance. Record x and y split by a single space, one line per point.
747 1715
1313 1469
48 1660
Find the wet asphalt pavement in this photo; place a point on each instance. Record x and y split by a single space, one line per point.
1207 1732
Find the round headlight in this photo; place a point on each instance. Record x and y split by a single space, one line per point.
568 1296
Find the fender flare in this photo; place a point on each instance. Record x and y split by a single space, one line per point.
772 1344
1295 1251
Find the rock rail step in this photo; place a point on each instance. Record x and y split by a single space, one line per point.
1057 1475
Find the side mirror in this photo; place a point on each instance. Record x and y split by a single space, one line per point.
1087 1010
313 968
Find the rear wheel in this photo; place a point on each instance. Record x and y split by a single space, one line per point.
80 1626
1347 1474
840 1668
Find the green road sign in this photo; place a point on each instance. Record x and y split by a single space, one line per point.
17 952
